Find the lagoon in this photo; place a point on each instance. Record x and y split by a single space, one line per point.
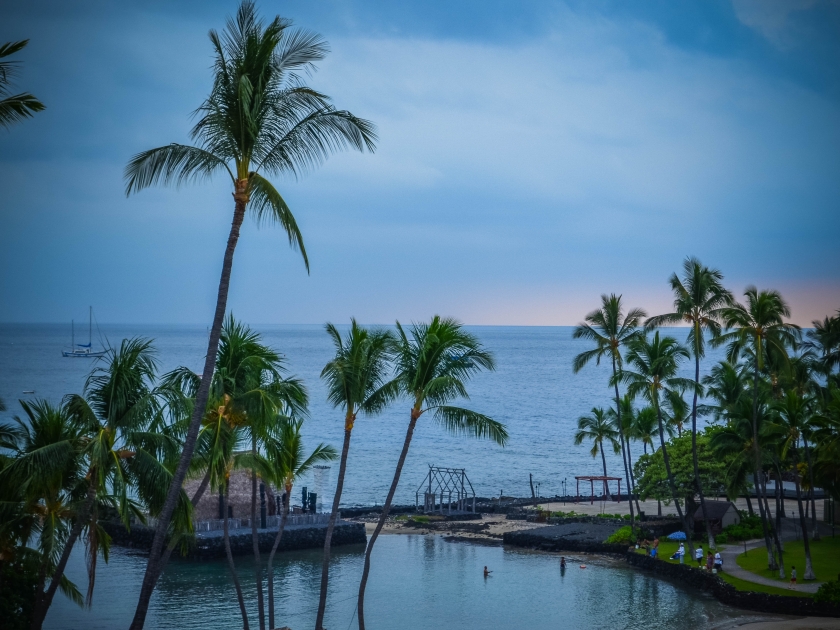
417 582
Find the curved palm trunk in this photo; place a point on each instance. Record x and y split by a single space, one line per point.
604 462
815 530
803 522
231 565
697 484
671 482
771 561
383 517
325 567
632 477
174 542
255 540
270 568
623 457
153 566
43 600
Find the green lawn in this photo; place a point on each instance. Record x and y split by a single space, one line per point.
825 557
743 585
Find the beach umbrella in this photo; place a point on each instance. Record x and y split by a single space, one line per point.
677 536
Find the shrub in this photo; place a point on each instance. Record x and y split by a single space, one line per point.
747 529
623 536
721 539
828 593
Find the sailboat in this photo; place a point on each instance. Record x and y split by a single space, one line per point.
82 350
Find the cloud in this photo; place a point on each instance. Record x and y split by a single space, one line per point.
772 18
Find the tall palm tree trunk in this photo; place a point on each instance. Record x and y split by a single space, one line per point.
325 567
803 522
815 530
671 482
255 539
775 532
270 567
229 555
771 561
632 478
697 484
623 457
604 462
43 600
165 516
749 504
415 414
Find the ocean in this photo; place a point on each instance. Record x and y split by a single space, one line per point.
533 391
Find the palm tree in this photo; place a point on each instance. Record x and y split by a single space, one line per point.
792 416
597 427
287 462
610 330
734 441
433 362
644 427
676 410
699 297
355 379
759 327
116 413
627 429
824 339
725 385
259 118
655 362
19 106
41 481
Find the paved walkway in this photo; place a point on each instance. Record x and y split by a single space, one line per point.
731 567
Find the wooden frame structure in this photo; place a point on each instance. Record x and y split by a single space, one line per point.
443 487
592 479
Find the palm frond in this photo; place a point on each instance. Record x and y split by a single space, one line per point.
171 164
268 205
461 421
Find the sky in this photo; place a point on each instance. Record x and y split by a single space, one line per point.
531 156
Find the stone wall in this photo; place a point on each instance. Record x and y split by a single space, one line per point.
210 547
239 499
728 594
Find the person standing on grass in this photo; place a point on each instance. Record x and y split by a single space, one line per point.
792 578
710 561
698 555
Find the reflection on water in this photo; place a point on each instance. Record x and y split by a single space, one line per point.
417 582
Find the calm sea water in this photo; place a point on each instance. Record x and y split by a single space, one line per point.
416 582
533 391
